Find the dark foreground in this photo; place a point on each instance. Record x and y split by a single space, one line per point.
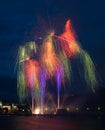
49 122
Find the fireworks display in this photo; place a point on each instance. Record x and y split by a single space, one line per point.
53 61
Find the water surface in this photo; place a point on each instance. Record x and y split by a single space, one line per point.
51 122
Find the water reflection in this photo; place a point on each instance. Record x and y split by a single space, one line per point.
51 123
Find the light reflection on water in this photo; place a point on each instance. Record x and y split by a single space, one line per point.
51 123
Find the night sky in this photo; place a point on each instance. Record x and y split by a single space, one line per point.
26 20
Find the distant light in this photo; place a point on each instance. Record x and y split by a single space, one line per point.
7 106
87 108
46 109
54 113
0 103
99 108
77 108
14 106
29 110
37 111
68 109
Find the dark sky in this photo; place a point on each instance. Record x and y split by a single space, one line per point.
26 20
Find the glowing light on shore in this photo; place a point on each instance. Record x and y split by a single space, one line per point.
36 111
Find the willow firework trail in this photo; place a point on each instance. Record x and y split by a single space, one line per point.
53 61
